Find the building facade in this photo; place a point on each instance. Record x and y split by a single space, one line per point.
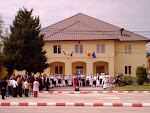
116 50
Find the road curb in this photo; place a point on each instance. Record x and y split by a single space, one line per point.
85 92
75 104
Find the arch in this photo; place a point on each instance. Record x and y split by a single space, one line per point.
100 67
78 66
57 67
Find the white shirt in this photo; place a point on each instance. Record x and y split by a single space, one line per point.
66 78
14 83
88 77
59 77
94 77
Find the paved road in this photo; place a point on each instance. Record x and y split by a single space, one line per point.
93 97
52 109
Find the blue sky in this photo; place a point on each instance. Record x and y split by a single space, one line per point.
133 15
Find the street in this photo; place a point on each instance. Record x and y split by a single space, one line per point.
54 109
85 98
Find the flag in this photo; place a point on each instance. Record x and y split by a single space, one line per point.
88 53
94 55
68 53
64 52
71 53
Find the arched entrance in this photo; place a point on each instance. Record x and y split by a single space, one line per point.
57 68
100 67
78 67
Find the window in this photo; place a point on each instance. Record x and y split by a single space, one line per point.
57 49
101 48
79 69
127 69
128 49
58 69
78 48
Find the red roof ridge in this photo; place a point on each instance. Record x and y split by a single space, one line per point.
61 21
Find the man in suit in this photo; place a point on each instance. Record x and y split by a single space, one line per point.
3 85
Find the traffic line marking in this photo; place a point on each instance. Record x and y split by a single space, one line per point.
74 104
85 92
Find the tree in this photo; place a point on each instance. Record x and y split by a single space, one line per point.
141 75
24 47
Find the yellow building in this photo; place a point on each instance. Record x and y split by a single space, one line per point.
117 50
3 71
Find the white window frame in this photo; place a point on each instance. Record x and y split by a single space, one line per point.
128 49
80 70
100 48
79 49
57 49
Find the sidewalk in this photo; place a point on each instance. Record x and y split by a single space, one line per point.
87 88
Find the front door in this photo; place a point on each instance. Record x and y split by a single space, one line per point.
100 69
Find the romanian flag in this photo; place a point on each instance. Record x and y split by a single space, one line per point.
68 53
88 53
148 57
94 55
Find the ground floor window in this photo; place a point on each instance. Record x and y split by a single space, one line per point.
79 69
127 69
58 69
100 69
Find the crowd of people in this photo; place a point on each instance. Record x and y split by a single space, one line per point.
29 85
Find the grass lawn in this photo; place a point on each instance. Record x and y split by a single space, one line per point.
134 86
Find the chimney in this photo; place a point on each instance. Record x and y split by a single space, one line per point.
121 30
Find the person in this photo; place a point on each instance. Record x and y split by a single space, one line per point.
101 78
108 78
50 80
97 80
3 85
66 80
20 88
69 81
82 79
63 81
94 80
26 87
54 80
14 85
40 82
59 80
79 76
36 87
47 83
7 88
87 80
74 80
104 82
91 80
30 88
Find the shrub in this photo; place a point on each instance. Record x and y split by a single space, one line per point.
141 75
126 80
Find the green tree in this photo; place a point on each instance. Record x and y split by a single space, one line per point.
141 75
25 45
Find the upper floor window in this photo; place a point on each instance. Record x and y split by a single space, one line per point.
101 48
127 69
78 48
128 49
57 49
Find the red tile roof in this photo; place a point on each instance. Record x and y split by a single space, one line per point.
83 27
